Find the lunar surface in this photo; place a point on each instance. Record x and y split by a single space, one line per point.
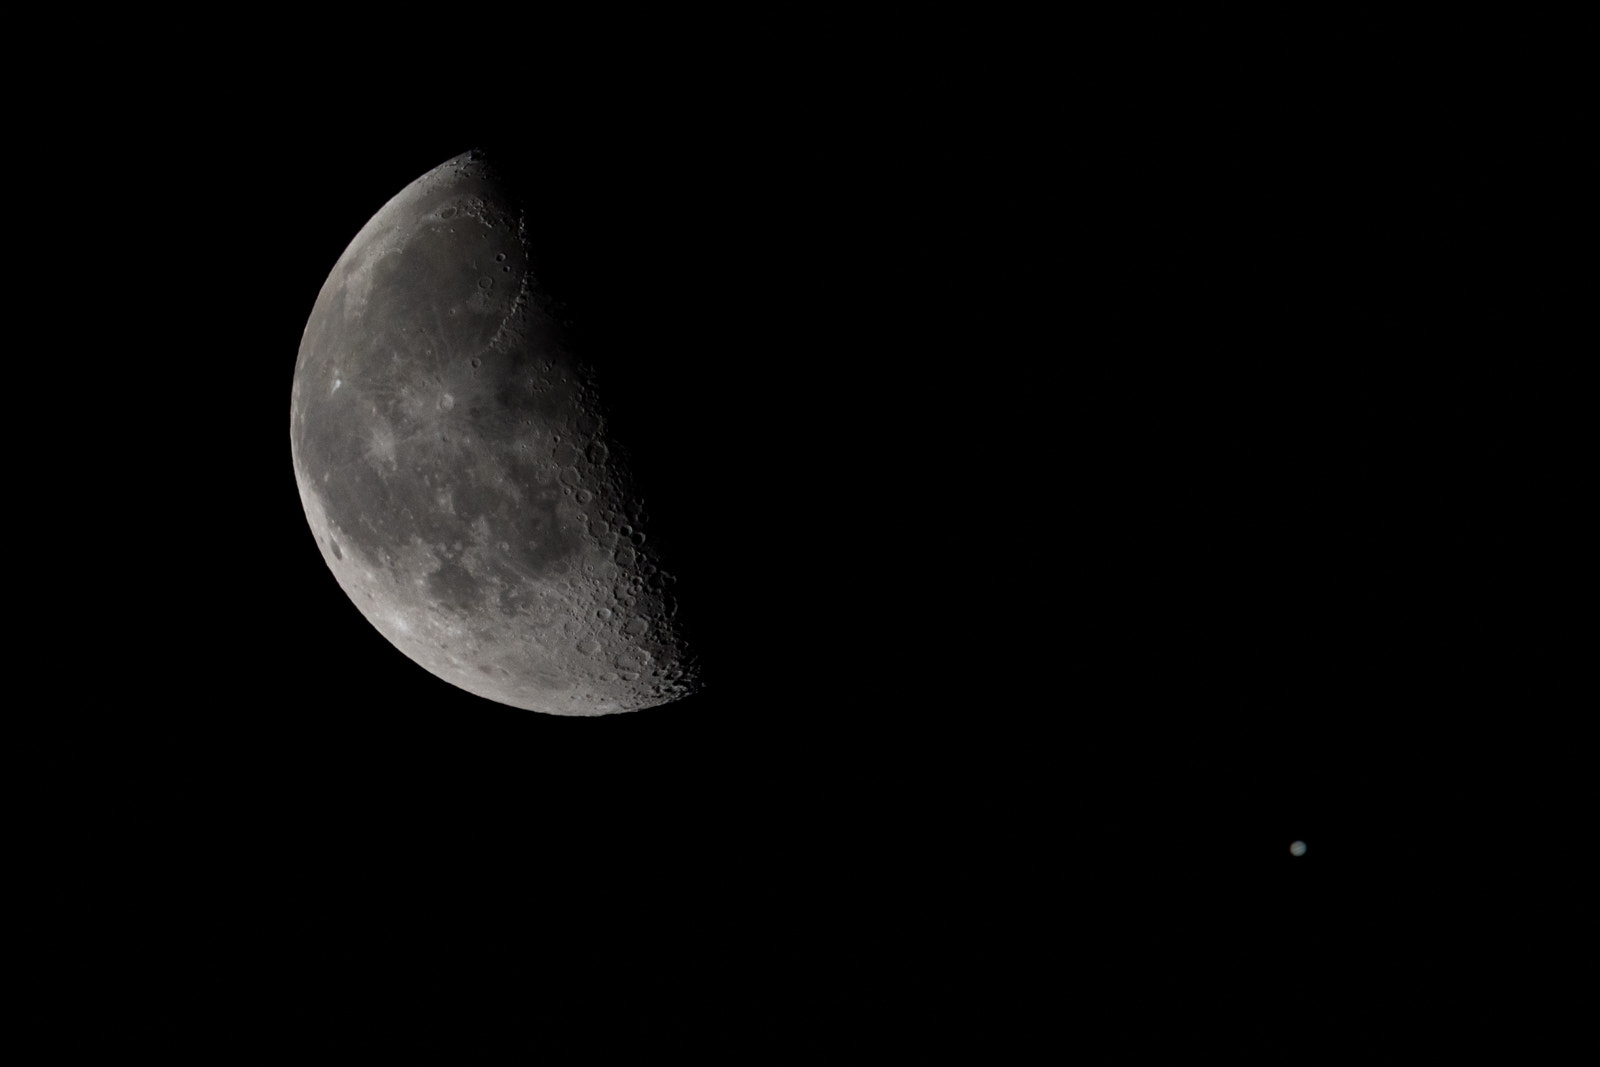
459 470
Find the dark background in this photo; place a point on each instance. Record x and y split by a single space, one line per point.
1095 473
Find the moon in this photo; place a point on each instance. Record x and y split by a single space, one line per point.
460 472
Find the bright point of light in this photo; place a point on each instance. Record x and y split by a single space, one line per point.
1297 849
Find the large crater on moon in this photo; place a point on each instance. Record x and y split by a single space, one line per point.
459 470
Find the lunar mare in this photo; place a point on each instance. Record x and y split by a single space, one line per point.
459 471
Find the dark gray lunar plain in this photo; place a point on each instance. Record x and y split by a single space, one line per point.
454 463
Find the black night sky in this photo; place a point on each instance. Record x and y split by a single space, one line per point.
1093 484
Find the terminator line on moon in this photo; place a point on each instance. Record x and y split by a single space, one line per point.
457 470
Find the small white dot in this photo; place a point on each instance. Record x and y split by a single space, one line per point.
1297 849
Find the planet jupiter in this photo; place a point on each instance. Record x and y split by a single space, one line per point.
460 470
